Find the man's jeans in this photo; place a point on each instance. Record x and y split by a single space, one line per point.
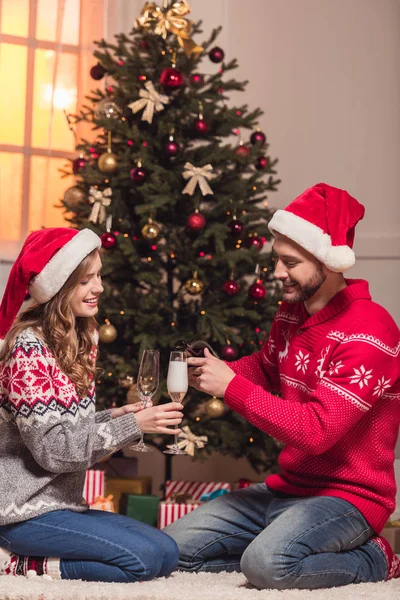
280 542
94 545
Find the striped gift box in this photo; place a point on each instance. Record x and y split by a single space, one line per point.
196 489
169 511
94 485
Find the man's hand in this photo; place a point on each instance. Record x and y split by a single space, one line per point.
210 374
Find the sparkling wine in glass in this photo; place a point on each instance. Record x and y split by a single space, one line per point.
147 385
177 385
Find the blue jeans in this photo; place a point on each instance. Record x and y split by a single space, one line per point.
94 545
280 542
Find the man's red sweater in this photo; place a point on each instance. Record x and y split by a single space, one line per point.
338 414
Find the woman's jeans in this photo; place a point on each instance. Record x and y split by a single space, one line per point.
94 545
280 542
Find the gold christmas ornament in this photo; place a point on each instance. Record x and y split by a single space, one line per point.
108 162
107 333
194 286
151 230
74 196
214 408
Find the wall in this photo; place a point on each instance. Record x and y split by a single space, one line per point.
327 76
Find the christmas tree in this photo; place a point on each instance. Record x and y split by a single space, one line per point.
175 183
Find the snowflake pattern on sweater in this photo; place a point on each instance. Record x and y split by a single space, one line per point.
338 411
49 435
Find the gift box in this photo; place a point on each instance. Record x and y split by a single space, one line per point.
116 486
94 485
181 497
144 507
391 533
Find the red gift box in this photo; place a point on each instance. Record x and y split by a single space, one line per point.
94 485
169 511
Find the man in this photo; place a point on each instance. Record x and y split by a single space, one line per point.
333 356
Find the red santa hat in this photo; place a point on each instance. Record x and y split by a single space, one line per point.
322 220
46 260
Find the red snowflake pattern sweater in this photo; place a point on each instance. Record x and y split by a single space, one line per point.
338 414
49 436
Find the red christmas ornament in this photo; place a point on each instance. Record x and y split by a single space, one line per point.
171 79
108 240
138 174
97 72
200 127
243 483
196 221
216 54
261 163
228 352
143 44
171 148
197 79
78 164
231 287
255 242
258 137
236 227
257 290
242 150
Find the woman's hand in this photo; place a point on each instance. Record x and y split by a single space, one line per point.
160 418
127 408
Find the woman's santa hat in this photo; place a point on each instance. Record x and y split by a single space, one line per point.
322 220
47 259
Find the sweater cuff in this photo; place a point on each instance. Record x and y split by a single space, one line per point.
238 389
103 416
125 429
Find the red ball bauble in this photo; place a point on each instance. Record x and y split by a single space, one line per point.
171 79
196 221
108 240
200 127
258 137
231 287
216 54
243 483
257 291
197 79
78 164
255 242
138 174
171 148
242 150
236 227
261 163
97 72
228 352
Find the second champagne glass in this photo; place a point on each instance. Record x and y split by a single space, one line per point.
177 385
147 385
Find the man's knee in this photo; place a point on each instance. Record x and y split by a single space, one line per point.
266 568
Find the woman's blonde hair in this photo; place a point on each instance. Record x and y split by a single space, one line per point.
69 338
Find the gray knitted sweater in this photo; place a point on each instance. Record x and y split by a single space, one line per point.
49 436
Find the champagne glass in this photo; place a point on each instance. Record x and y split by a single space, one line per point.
147 384
177 385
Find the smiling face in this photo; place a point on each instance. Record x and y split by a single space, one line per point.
85 295
301 274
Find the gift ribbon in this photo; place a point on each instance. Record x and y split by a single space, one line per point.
197 176
149 100
211 495
172 20
190 441
100 200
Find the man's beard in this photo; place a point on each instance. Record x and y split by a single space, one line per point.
307 291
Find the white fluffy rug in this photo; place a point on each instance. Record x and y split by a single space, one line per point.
202 586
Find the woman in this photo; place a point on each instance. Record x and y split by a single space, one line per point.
49 431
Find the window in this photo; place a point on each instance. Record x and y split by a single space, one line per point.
45 59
